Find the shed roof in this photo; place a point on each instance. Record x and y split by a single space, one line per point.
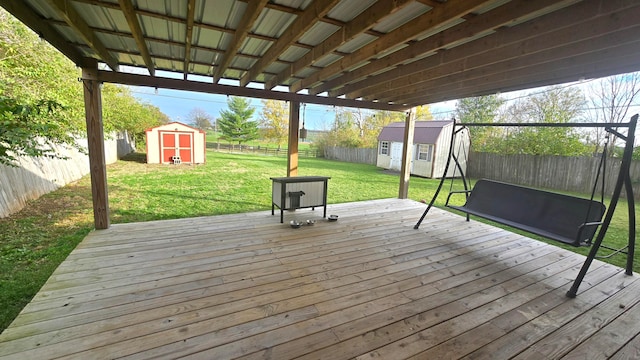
174 126
373 54
426 132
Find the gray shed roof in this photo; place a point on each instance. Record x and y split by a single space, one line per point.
426 132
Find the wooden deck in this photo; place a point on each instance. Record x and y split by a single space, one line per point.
368 286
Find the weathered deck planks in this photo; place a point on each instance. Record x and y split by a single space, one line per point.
367 286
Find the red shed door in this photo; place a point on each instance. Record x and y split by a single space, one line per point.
176 144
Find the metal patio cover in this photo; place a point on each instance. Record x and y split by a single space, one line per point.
373 54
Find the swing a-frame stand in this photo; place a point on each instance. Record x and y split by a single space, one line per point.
559 217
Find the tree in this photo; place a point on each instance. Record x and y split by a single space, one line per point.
235 123
423 113
555 105
41 100
274 120
31 129
200 119
481 109
123 112
611 99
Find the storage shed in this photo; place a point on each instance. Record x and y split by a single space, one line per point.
175 143
429 151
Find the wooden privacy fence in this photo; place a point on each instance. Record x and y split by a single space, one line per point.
576 174
34 177
353 155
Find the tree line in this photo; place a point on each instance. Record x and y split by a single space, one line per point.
42 101
607 100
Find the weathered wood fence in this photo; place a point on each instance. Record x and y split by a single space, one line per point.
35 177
575 174
363 156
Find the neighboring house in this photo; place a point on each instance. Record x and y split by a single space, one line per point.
175 143
430 148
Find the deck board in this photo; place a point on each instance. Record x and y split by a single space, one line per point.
367 286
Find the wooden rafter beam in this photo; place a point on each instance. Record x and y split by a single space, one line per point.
316 10
615 60
432 3
588 24
134 25
253 10
477 25
191 11
360 23
441 15
65 9
22 12
210 88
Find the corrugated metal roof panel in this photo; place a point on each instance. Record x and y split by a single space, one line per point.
293 53
275 67
254 46
347 10
318 33
400 17
215 12
272 22
326 60
356 43
296 4
203 56
242 62
207 37
201 69
176 8
491 6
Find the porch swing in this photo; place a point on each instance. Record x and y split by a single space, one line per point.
568 219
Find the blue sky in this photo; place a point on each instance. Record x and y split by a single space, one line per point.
178 104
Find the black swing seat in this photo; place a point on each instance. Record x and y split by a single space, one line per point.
559 217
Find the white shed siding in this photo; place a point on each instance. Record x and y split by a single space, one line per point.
434 167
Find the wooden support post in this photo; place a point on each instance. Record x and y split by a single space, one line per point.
407 153
95 139
294 124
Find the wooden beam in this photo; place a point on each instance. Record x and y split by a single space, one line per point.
616 60
477 25
134 25
358 25
95 139
188 38
316 10
210 88
431 3
253 10
596 34
294 125
447 13
407 154
65 9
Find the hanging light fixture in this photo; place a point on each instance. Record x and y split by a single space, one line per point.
303 131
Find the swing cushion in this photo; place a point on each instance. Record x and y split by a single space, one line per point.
555 216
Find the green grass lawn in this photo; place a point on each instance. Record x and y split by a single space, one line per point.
34 241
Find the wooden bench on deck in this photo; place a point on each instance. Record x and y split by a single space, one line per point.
559 217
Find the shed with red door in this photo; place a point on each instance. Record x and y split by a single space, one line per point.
175 143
